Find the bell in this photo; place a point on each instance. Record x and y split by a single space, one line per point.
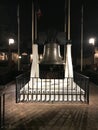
51 54
51 66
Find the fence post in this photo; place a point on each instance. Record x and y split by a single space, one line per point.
88 92
2 110
16 91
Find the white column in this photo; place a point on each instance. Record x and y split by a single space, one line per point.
35 64
68 64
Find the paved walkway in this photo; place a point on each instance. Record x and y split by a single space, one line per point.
47 116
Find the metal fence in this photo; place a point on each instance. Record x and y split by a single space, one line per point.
34 89
83 82
2 110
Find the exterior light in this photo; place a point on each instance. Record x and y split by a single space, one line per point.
19 57
11 41
92 41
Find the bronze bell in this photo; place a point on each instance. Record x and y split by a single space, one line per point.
51 66
51 54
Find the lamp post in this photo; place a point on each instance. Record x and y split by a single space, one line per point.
11 41
82 38
92 42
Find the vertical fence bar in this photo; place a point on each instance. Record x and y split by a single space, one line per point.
18 83
49 89
54 89
28 92
0 112
16 91
71 93
67 88
36 89
18 88
24 92
41 90
58 90
76 92
80 83
85 89
3 109
63 88
32 81
45 89
88 91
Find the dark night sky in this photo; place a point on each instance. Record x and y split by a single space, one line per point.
52 16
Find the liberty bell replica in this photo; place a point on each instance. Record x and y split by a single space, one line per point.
51 66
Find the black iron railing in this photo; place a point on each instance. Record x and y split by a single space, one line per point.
68 89
21 80
2 110
83 82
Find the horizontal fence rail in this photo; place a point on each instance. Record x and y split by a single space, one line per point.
34 89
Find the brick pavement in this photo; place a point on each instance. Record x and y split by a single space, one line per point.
48 116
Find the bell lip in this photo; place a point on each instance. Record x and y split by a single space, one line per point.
51 42
46 63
